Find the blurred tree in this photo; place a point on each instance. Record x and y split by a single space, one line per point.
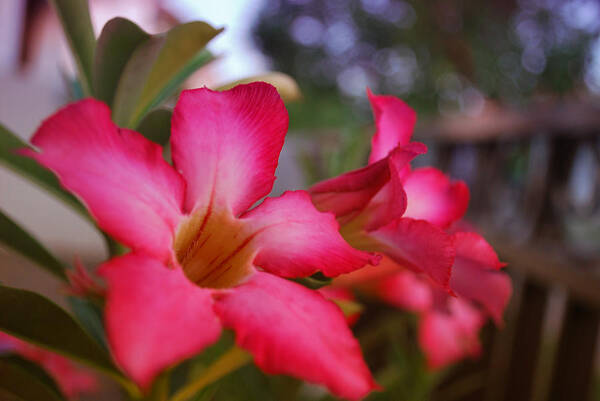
441 56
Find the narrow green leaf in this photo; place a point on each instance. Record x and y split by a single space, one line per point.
22 242
24 382
33 318
76 22
348 307
158 67
117 42
156 126
28 168
89 316
314 282
33 369
229 362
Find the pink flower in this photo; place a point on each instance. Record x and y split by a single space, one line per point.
70 379
202 258
405 214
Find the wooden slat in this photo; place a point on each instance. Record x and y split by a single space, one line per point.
546 264
574 364
576 119
526 342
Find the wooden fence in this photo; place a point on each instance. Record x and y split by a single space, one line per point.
535 184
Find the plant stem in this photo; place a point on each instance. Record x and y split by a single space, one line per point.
114 248
230 361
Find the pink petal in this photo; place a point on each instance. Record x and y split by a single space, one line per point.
447 336
369 276
475 275
433 197
120 175
419 246
350 192
473 249
296 240
154 316
407 291
71 379
293 330
226 144
395 122
390 202
377 187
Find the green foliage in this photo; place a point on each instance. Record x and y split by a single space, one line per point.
193 367
22 242
156 126
33 318
158 67
26 381
89 315
117 42
77 25
314 282
30 169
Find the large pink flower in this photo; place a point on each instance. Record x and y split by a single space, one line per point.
72 380
202 258
405 214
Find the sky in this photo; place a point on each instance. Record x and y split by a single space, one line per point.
241 58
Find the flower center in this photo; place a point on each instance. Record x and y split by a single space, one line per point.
213 249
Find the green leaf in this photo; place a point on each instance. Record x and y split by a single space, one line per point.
313 282
117 42
158 67
33 369
90 317
156 126
286 86
230 361
76 22
30 169
33 318
26 381
22 242
348 307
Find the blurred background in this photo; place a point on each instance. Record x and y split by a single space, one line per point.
507 96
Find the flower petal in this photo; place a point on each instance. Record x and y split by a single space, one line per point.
368 277
475 274
407 291
226 144
395 122
295 240
450 335
390 202
120 175
350 192
473 249
433 197
377 187
293 330
154 316
70 378
417 245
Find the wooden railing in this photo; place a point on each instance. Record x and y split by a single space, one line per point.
535 184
